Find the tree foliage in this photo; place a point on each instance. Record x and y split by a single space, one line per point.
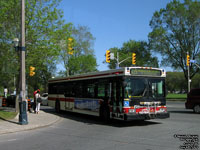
46 31
176 31
143 54
175 82
83 59
9 26
43 20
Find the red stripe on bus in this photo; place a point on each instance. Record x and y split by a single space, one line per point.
61 99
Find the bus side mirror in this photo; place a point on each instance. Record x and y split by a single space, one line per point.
124 83
65 94
166 92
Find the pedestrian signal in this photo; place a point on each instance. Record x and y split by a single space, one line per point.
133 58
32 69
108 56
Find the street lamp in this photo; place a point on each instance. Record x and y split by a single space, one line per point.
16 42
16 45
22 103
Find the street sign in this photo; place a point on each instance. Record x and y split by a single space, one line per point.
112 57
192 61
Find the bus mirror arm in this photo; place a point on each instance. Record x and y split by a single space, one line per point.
124 83
166 92
65 94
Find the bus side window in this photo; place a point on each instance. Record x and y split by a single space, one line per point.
113 92
90 90
101 90
53 88
78 90
61 88
68 89
119 92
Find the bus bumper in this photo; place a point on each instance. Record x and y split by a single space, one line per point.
146 116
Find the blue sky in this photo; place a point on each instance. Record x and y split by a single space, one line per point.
112 22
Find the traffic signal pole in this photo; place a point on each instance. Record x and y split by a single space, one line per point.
188 68
188 79
118 63
110 56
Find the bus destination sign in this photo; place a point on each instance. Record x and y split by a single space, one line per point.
145 72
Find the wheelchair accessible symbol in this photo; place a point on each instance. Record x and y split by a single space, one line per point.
126 103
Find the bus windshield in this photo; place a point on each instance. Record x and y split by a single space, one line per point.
144 87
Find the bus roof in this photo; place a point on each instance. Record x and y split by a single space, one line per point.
126 71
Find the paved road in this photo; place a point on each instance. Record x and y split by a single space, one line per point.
80 132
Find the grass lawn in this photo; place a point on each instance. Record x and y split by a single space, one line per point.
4 115
176 96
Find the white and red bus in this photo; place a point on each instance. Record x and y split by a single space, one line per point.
128 93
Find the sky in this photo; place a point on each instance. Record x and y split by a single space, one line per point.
112 22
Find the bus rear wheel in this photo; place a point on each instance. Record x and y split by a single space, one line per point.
57 106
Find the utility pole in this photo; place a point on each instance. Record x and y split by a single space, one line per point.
110 56
23 112
117 66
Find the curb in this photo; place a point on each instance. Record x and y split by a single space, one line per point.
30 127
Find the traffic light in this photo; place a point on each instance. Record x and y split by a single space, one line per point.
108 56
133 58
188 60
70 45
32 69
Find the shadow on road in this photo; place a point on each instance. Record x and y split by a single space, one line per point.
90 120
181 112
14 122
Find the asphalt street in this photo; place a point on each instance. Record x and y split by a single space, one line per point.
82 132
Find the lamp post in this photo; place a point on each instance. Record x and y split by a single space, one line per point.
22 96
22 99
16 43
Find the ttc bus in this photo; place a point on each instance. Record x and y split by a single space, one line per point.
128 93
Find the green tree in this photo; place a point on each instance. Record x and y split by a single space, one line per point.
143 54
175 81
176 31
43 19
195 81
83 59
9 26
82 64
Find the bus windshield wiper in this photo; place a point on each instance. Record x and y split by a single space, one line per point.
145 90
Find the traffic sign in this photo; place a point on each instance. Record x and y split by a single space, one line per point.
192 61
112 56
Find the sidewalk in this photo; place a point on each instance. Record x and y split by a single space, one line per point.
43 119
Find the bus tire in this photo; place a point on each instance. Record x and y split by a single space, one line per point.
196 109
105 114
57 106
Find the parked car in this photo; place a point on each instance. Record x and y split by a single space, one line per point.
193 100
44 98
